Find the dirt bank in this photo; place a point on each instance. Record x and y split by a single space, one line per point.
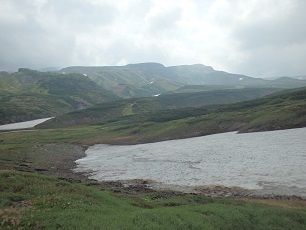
54 159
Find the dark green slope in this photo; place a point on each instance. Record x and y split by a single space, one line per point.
202 88
29 94
24 107
199 99
282 110
171 102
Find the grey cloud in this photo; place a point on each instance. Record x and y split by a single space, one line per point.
274 46
164 21
280 31
36 42
257 36
30 45
270 62
91 32
81 15
122 48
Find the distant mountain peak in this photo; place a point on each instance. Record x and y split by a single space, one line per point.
195 65
3 73
201 66
25 70
194 68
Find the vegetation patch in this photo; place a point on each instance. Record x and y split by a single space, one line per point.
45 202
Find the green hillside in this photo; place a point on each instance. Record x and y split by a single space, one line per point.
171 102
201 88
284 111
281 111
29 94
148 79
131 80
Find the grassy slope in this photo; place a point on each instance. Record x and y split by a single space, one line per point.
200 88
282 111
29 94
276 112
30 201
112 110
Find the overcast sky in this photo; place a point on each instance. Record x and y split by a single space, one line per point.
259 38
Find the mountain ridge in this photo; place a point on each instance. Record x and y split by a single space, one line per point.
165 104
30 94
148 79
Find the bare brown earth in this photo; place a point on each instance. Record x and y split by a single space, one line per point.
55 159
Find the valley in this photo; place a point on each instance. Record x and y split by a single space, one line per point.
119 113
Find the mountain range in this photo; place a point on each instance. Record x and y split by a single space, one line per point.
148 79
30 94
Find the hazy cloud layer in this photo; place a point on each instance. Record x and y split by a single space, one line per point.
259 38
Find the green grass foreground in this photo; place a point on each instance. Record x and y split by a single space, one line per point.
31 201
